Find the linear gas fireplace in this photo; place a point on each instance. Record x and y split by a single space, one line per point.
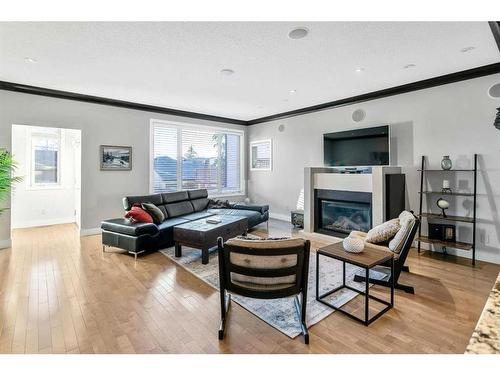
337 212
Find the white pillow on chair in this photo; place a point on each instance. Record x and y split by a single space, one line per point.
406 220
383 232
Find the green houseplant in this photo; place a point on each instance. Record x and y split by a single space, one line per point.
7 168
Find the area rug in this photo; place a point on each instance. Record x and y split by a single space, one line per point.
281 313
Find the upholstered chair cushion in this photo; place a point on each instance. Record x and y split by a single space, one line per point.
264 262
406 220
383 232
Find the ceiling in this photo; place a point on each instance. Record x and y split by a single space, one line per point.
177 64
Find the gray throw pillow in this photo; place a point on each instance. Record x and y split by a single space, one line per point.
155 212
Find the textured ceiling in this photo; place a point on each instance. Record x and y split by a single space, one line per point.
177 64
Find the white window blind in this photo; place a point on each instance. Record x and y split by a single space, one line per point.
165 159
261 154
192 158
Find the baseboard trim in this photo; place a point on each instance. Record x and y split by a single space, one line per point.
44 223
90 232
281 217
4 244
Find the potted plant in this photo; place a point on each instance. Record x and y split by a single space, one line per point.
7 168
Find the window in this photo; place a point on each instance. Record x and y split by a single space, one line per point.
45 157
195 157
261 155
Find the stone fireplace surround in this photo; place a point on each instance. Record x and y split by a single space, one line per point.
371 180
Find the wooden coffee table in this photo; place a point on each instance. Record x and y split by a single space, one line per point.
368 259
202 235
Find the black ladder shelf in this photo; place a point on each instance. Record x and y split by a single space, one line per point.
463 219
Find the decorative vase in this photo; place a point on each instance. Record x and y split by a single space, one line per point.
446 163
353 245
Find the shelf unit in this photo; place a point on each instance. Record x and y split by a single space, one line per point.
463 219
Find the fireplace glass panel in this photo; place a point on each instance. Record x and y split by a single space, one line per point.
344 217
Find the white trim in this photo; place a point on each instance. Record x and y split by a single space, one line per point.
281 217
90 232
181 125
44 222
4 244
270 141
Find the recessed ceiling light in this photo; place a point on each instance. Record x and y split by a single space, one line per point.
298 33
30 60
227 72
285 100
292 92
408 66
359 70
467 49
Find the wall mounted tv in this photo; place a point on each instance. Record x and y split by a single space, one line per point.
359 147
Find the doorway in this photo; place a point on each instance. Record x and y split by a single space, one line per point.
49 163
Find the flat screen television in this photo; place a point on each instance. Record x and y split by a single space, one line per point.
357 148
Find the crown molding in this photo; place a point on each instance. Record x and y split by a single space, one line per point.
396 90
43 91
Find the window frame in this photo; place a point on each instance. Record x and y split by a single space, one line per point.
32 133
204 128
250 158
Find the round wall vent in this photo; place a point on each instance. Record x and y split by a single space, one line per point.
281 128
358 115
494 91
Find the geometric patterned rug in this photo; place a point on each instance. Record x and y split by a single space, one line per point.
280 313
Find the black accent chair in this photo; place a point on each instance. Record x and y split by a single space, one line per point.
179 208
264 269
399 260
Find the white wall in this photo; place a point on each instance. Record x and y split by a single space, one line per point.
31 206
102 191
455 119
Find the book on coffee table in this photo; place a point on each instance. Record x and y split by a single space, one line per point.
214 220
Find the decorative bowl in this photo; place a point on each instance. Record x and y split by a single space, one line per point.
353 245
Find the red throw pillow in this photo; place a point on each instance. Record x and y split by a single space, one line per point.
138 215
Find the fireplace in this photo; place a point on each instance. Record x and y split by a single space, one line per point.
337 213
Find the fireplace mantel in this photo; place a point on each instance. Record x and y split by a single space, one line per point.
371 181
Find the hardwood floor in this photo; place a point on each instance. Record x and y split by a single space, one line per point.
60 294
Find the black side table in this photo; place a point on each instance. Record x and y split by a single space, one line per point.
366 260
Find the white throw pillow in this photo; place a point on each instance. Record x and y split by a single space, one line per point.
383 232
406 220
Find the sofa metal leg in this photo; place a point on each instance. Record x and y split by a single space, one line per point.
135 253
103 248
